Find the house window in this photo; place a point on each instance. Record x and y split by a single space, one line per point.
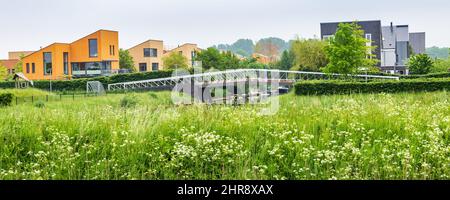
142 67
112 50
150 52
33 68
48 63
66 63
180 52
28 68
369 44
369 39
93 48
155 66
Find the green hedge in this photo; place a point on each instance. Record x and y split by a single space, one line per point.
80 84
6 99
435 75
347 87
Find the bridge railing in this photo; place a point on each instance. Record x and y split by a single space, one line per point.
237 74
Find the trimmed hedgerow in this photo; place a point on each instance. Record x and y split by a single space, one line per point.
80 84
435 75
349 87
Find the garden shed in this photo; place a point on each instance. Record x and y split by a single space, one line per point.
22 81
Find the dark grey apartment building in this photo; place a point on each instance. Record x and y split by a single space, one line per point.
372 32
394 43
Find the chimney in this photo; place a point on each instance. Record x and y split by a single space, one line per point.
392 27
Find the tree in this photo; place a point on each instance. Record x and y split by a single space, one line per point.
3 72
210 58
420 64
175 60
411 50
309 54
347 51
19 65
251 63
441 65
287 60
228 61
126 60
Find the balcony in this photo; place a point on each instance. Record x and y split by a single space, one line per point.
92 69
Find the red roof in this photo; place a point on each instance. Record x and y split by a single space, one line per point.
9 64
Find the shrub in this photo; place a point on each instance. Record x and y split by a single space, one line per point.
6 99
348 87
420 64
39 104
128 101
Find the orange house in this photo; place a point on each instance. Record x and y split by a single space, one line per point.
94 55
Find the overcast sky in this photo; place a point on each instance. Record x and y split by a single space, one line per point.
30 24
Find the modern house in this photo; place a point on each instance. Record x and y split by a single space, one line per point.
17 55
263 59
372 32
96 54
394 44
188 50
13 59
148 55
10 65
398 46
417 42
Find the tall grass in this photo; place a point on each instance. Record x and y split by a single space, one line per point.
371 136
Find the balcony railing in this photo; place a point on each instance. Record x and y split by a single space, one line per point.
96 72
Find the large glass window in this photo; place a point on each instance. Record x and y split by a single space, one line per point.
91 68
48 63
150 52
142 67
155 66
93 48
66 63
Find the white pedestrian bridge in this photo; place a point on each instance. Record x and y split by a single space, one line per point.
283 77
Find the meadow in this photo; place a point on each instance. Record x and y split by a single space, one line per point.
145 136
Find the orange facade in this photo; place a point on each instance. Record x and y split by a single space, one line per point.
94 55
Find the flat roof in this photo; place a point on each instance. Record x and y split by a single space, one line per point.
351 21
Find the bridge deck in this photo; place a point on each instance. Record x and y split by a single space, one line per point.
238 75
